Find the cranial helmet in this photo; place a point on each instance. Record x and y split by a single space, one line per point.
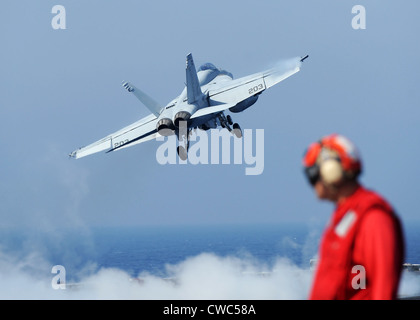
333 159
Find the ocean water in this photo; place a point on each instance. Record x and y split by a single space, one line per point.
137 249
151 249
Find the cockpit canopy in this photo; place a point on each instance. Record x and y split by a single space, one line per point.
212 72
207 66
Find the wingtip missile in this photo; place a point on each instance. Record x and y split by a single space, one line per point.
126 85
73 155
303 58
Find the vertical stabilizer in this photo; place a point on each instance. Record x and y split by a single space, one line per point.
194 93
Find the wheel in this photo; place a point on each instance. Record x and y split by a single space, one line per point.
229 119
182 153
237 130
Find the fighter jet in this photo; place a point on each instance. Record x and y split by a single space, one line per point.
209 92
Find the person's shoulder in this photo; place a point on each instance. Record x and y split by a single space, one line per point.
377 220
372 200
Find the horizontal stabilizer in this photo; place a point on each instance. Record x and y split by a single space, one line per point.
151 104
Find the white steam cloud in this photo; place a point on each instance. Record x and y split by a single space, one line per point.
205 276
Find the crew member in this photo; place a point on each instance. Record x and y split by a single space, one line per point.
362 248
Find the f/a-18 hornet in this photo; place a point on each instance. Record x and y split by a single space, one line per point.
208 93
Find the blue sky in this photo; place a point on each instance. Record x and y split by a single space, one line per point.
61 89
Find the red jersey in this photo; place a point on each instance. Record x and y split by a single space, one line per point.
361 253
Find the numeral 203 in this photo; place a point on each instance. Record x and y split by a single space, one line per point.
255 89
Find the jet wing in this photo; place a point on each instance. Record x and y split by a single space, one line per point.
140 131
231 93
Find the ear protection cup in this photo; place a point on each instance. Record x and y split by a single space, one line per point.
331 171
